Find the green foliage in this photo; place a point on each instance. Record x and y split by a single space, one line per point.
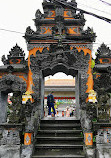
94 139
94 120
92 64
82 134
94 73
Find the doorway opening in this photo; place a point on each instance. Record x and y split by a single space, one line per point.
64 90
14 106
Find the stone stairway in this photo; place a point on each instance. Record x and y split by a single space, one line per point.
59 138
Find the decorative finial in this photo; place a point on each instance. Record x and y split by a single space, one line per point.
38 14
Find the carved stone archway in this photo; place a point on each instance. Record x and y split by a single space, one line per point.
73 63
9 83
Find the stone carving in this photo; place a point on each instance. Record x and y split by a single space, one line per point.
32 34
103 105
59 29
62 55
28 108
91 110
12 82
60 24
103 52
4 60
16 109
38 14
29 31
101 84
89 33
36 87
10 69
31 46
59 11
104 81
86 122
32 116
15 54
10 137
103 136
109 70
71 57
79 15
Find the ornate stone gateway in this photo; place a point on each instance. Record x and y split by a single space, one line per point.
59 44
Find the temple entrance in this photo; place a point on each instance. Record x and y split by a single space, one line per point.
63 87
66 95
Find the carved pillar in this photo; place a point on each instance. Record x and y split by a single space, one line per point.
42 94
77 91
12 83
10 143
86 121
37 90
3 107
103 142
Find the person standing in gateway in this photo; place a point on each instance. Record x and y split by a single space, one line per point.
50 103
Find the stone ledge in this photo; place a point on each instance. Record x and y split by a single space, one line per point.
9 125
98 125
7 151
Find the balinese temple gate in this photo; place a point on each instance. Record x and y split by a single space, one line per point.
59 44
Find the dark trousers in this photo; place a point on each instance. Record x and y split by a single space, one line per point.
51 105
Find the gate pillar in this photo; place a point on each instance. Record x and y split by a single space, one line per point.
3 107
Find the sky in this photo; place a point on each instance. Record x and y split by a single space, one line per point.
17 15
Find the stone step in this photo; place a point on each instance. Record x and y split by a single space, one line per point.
58 151
58 146
60 126
58 156
60 133
54 121
60 140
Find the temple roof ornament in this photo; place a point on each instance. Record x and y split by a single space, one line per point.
59 11
104 51
38 14
103 57
80 15
89 32
29 31
59 22
16 52
16 56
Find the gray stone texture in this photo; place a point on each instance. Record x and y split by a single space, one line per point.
77 96
86 122
27 151
90 152
10 137
103 151
10 151
3 107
